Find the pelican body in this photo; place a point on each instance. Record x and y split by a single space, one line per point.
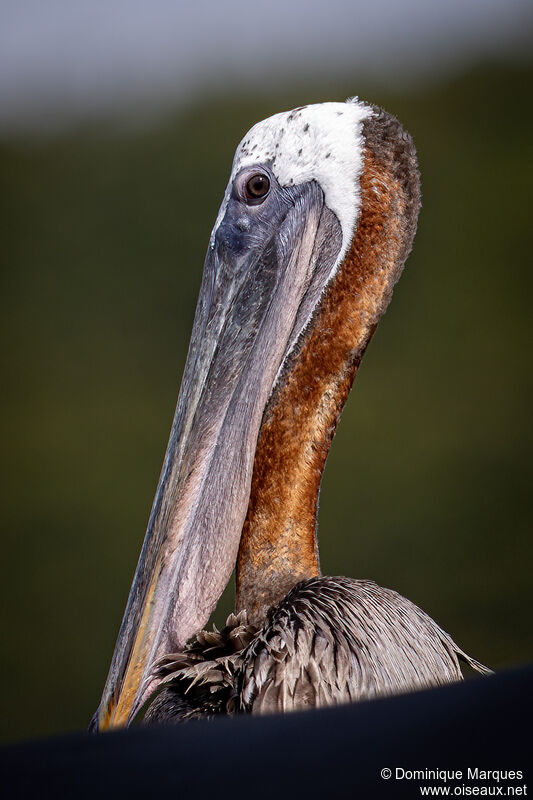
317 221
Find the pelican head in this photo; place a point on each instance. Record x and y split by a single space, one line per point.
284 229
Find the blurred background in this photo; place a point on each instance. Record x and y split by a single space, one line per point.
118 123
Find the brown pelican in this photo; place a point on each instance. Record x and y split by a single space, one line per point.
317 220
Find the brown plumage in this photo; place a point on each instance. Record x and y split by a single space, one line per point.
278 544
300 640
330 641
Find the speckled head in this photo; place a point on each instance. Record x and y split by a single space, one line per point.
321 143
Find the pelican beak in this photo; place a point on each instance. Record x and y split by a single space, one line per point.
264 273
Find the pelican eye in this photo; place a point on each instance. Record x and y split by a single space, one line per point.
257 187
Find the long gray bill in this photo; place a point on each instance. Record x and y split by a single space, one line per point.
258 290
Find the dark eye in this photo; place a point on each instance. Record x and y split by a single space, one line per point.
257 187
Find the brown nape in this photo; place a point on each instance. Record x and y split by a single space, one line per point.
279 546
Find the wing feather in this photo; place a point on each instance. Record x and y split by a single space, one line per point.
336 640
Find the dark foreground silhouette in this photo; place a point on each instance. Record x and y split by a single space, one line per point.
340 752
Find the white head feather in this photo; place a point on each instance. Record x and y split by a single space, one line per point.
320 142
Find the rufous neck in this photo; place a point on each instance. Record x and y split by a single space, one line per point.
279 544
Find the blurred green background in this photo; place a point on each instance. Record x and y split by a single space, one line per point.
427 486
